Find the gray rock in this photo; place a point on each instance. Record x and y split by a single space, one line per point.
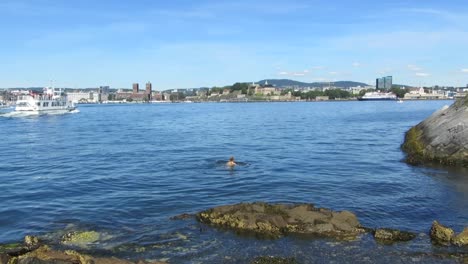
442 138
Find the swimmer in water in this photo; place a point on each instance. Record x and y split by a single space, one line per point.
231 162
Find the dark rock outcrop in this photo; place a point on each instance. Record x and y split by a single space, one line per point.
276 220
442 138
388 236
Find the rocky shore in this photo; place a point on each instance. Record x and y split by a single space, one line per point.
265 220
277 220
442 138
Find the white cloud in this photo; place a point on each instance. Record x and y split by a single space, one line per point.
464 70
356 64
422 74
318 68
333 73
298 74
412 67
295 74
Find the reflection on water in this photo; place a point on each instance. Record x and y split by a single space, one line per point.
456 178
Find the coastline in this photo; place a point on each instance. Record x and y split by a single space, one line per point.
70 246
262 101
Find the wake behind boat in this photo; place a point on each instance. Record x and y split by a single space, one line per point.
377 96
51 100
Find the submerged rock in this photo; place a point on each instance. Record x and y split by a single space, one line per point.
442 138
30 243
273 260
44 254
276 220
80 238
182 217
386 235
440 234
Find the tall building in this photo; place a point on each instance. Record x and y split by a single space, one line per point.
149 90
103 93
104 89
384 83
136 88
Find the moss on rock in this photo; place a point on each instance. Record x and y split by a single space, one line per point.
440 234
389 236
441 139
414 146
461 239
81 238
273 260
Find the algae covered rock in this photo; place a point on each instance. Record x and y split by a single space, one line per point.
31 241
45 254
442 138
461 239
440 234
386 235
273 260
276 220
80 238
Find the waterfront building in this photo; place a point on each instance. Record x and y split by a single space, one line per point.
83 97
103 93
384 83
104 89
136 88
136 95
148 91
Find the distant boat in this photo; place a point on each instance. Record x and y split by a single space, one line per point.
400 101
52 100
378 96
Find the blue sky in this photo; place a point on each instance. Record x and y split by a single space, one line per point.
176 44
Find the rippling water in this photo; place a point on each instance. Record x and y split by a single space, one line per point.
125 169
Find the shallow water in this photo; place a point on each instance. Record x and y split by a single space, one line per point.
126 169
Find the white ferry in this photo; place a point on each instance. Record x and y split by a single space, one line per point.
52 100
377 96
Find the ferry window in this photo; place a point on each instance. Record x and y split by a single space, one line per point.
38 104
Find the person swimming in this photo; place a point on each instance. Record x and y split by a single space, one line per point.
231 162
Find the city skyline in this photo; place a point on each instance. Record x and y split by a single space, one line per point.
211 43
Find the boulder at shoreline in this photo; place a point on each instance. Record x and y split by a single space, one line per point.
276 220
442 138
389 236
445 236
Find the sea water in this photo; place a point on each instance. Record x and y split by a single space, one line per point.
124 170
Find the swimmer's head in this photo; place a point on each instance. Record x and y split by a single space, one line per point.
231 158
